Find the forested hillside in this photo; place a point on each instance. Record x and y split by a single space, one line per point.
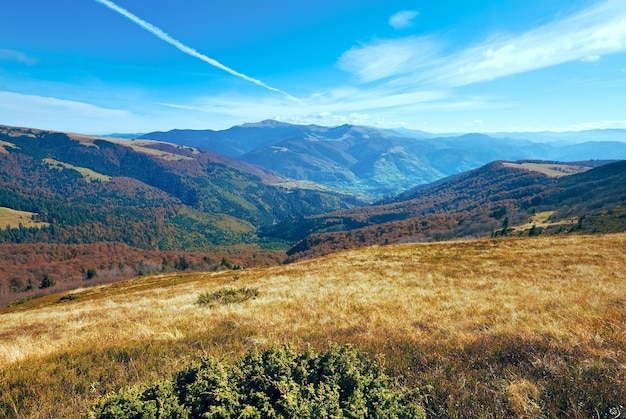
146 194
76 190
491 200
33 270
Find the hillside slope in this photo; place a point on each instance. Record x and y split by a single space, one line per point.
63 197
357 159
142 193
487 328
481 202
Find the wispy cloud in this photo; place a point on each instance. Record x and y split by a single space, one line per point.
421 75
403 19
587 35
609 124
184 48
392 57
57 114
9 54
594 32
591 58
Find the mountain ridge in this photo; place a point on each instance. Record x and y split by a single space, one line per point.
492 199
377 162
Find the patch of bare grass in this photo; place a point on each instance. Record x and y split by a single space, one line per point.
14 219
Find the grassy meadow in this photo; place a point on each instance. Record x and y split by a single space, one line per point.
87 174
532 327
13 219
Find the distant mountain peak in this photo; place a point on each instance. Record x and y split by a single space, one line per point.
267 123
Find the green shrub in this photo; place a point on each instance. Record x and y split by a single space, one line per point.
46 282
20 301
157 401
227 296
277 383
69 297
90 273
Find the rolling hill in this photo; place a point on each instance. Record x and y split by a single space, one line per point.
503 326
157 197
486 201
357 159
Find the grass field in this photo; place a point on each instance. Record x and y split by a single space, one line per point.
550 169
13 219
532 327
542 220
140 146
3 145
87 174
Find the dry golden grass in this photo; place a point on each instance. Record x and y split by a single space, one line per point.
87 174
18 131
550 169
3 145
140 147
491 327
541 220
13 218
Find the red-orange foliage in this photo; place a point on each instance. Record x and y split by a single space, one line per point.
22 266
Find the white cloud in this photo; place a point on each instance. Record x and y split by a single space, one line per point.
591 58
329 119
387 58
376 106
58 114
403 19
589 34
9 54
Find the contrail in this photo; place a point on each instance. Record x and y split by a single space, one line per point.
187 50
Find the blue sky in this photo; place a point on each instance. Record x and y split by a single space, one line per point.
102 66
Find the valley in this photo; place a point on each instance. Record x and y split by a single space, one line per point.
382 163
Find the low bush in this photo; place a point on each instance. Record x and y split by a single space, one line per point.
227 296
277 383
69 297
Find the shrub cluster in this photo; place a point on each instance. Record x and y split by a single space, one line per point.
227 296
277 383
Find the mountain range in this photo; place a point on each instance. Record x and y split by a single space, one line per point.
280 192
374 163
